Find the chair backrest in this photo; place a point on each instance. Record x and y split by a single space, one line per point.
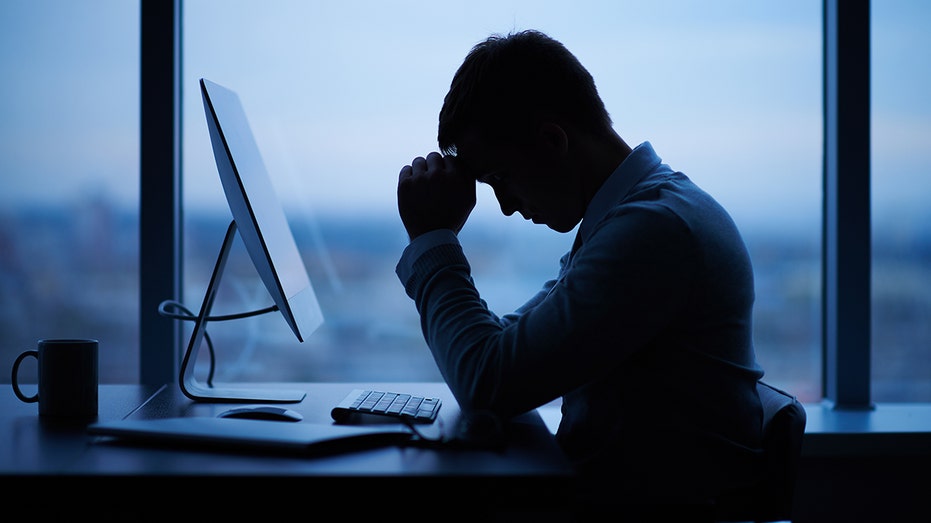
784 421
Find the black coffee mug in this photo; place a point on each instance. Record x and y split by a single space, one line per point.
67 384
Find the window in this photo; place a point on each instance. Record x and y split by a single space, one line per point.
69 173
340 96
901 192
730 92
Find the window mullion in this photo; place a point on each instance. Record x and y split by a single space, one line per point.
160 188
846 235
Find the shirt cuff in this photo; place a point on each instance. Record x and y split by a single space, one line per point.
420 245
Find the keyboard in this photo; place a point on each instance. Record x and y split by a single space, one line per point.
386 406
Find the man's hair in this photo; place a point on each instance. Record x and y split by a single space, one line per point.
508 84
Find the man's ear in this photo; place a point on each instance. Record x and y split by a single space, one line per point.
553 137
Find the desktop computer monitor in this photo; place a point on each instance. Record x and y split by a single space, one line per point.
259 219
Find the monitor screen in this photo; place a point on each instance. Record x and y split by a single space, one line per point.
257 211
260 220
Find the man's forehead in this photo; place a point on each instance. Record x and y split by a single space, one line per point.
469 143
473 152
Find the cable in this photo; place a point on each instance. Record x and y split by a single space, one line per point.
187 315
480 430
190 316
421 439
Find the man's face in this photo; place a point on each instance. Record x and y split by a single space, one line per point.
532 179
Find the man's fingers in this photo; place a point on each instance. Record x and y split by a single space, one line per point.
435 163
406 171
418 166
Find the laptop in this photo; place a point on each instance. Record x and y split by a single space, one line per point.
304 439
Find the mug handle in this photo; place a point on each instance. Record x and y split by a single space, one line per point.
19 394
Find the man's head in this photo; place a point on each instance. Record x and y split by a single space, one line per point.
517 113
507 85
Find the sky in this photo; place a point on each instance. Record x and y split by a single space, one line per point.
341 95
365 103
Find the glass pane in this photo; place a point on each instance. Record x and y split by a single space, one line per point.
901 192
69 158
341 95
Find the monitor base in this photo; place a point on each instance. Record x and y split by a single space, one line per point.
197 392
189 384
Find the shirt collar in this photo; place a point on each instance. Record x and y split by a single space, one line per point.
640 162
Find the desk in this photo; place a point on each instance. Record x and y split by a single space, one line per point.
31 445
530 474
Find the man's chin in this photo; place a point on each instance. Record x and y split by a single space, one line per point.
536 220
558 228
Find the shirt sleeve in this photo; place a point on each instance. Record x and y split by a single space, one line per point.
622 285
418 246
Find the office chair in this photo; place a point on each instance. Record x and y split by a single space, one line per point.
771 499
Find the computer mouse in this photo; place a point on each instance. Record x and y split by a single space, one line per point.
263 412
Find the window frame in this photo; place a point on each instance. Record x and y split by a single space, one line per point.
160 209
845 223
846 241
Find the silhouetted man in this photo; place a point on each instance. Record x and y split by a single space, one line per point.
645 332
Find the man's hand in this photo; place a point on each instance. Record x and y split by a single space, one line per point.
434 193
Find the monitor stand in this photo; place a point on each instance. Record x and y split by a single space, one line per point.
207 393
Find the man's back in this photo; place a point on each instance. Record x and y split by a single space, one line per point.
679 413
